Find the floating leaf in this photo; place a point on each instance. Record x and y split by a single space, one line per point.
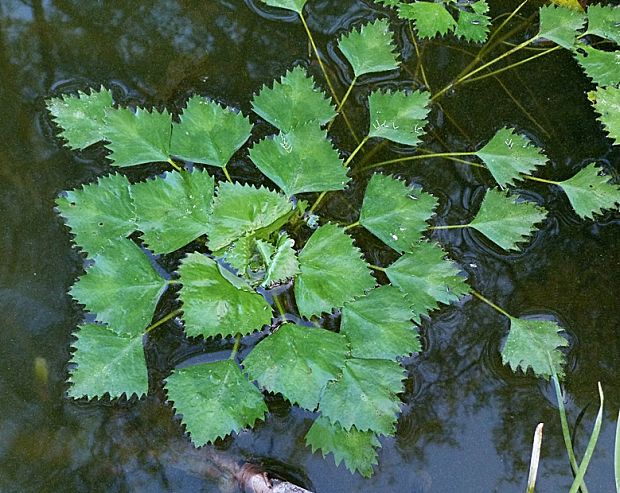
430 18
213 306
474 25
603 21
365 396
293 101
208 133
398 116
215 399
302 160
606 102
396 213
243 209
379 326
371 49
531 343
505 220
560 25
427 278
81 117
356 448
137 138
332 272
508 155
294 5
388 3
283 263
590 192
173 210
297 362
121 288
100 213
107 363
603 67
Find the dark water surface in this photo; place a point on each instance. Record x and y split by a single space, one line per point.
467 421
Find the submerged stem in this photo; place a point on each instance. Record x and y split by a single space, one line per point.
490 303
163 320
356 150
317 202
423 156
235 349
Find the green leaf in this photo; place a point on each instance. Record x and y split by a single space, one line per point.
388 3
530 343
107 363
302 160
560 25
332 272
99 214
398 116
213 306
173 210
509 155
379 326
243 209
603 67
606 102
506 220
208 133
590 192
297 362
396 213
293 101
294 5
603 21
283 263
427 278
137 138
356 448
371 49
365 396
81 117
474 25
121 288
430 18
215 399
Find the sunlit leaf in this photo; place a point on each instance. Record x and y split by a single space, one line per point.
121 288
560 25
398 116
569 4
294 5
297 362
302 160
606 102
208 133
379 326
508 155
473 25
531 343
370 49
603 21
603 67
173 210
293 101
99 213
506 220
107 363
396 213
81 117
590 192
283 263
356 448
214 400
332 272
430 18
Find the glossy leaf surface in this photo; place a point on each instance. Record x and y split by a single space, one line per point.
603 21
473 25
590 192
430 18
282 264
606 102
560 25
398 116
603 67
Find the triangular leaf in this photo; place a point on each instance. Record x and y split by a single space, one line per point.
215 399
396 213
590 192
293 101
606 102
356 448
506 220
531 343
213 306
107 363
430 18
365 396
379 326
560 25
121 288
294 5
173 210
603 21
297 362
283 263
370 49
603 67
509 155
81 117
137 138
474 25
302 160
208 133
332 272
99 213
427 278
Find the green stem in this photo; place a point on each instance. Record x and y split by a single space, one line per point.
376 267
346 95
317 202
423 156
541 180
226 174
235 349
420 64
351 226
357 149
489 44
450 226
174 165
276 300
490 303
162 321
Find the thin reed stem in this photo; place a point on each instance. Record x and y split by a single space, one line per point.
163 320
490 303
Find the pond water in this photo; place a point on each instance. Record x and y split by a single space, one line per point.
467 421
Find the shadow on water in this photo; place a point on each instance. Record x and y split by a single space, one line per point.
467 420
